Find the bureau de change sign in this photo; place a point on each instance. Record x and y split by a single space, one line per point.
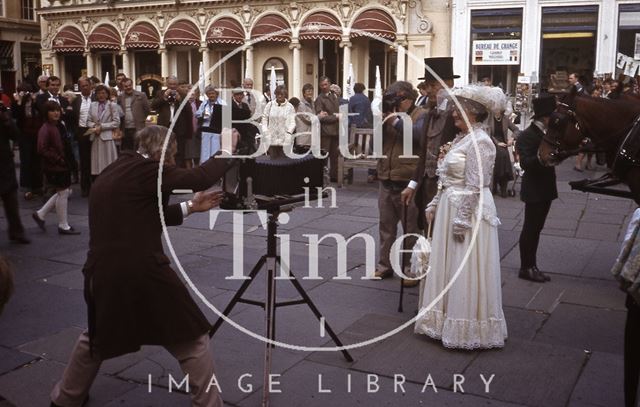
496 52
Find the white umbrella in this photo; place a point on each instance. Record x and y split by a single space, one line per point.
106 79
376 105
349 91
201 81
272 83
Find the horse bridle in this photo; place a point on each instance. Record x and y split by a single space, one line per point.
556 119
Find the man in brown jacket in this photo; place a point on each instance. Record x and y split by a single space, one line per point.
327 107
135 106
133 296
439 129
394 173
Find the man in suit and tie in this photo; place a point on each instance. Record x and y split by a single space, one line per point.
80 108
439 130
538 188
52 93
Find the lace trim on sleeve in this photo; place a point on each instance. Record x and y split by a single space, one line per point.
468 197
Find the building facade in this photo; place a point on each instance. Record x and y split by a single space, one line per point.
149 40
19 43
544 40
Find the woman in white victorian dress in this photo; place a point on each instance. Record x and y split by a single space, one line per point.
461 303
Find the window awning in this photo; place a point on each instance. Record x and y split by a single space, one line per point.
269 24
226 31
104 36
321 26
68 40
182 32
376 22
142 35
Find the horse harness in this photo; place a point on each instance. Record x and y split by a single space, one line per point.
628 154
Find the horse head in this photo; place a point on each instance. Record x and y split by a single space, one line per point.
564 134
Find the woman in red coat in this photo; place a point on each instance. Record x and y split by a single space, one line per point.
55 157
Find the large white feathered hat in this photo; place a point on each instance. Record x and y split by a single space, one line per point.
491 98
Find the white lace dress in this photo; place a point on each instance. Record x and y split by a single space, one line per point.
462 299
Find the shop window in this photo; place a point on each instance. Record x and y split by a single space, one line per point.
568 45
496 47
628 33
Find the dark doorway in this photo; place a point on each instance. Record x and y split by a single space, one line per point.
73 66
330 65
377 57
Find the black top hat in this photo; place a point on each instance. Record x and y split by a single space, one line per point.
544 106
442 66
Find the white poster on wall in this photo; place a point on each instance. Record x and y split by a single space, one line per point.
496 52
621 60
631 67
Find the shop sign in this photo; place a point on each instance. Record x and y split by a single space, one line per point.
496 52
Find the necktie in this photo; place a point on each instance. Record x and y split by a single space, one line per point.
249 98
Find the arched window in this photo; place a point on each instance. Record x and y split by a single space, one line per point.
281 72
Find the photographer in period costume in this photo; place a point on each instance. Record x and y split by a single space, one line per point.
439 130
133 296
538 188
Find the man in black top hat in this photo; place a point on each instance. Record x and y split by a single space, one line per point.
538 188
439 130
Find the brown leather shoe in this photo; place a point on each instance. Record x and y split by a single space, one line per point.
410 283
379 274
531 274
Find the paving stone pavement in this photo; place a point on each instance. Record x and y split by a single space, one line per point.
565 336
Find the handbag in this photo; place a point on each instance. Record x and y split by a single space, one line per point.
116 133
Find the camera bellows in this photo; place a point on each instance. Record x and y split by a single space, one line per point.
282 175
